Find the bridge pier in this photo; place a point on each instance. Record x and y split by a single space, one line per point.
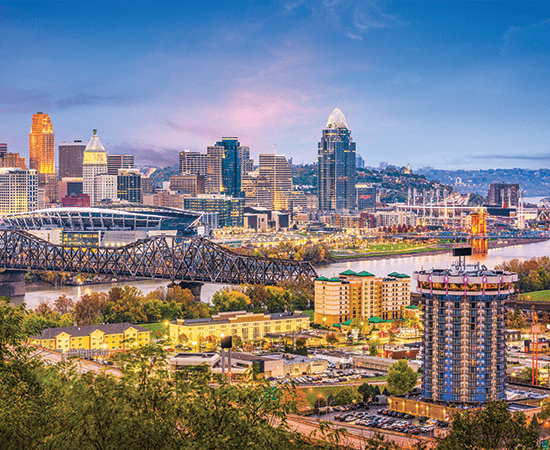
194 286
12 283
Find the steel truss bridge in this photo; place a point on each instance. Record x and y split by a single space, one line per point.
194 260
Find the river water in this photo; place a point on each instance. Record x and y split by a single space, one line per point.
378 267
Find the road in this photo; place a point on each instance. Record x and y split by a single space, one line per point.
82 364
355 436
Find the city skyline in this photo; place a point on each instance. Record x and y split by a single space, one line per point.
443 84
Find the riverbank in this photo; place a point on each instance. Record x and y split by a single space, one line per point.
447 249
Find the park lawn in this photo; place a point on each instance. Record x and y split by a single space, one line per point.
536 296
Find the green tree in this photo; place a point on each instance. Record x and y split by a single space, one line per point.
366 390
401 377
230 301
331 338
90 309
490 428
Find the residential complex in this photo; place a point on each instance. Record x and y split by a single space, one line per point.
247 326
101 338
464 342
362 295
336 172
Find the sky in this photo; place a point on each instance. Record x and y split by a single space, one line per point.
450 85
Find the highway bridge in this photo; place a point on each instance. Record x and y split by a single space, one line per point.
189 260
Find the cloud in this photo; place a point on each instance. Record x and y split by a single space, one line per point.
205 132
520 157
529 39
23 101
148 155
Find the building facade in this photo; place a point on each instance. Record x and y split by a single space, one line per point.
276 170
361 295
129 185
193 163
464 333
230 210
12 160
101 338
116 162
71 157
248 326
41 144
18 190
94 163
366 198
336 172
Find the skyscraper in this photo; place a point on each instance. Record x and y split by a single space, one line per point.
116 162
336 165
95 163
71 155
18 190
231 166
129 185
247 164
41 144
276 170
3 147
214 180
193 162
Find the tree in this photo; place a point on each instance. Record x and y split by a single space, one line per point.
63 304
366 390
374 344
491 428
230 301
89 310
401 377
331 339
346 396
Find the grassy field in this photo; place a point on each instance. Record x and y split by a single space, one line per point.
537 296
385 249
310 313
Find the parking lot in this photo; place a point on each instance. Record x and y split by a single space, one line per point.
383 419
329 377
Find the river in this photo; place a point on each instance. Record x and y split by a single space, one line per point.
378 267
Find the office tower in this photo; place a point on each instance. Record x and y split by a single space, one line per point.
41 144
49 182
247 164
193 162
231 166
94 163
146 186
214 179
12 160
464 332
336 165
115 162
188 184
3 147
366 197
129 185
359 162
503 194
71 156
276 170
257 190
361 295
18 190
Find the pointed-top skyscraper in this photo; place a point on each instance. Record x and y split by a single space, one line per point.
336 162
94 164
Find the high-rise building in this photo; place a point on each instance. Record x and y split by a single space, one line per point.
359 162
193 163
41 144
70 186
12 160
257 190
366 197
18 190
187 184
129 185
105 188
276 170
116 162
503 194
214 179
71 155
94 163
361 295
247 164
3 147
336 171
464 333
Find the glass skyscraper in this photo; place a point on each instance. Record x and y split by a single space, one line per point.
336 165
231 166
